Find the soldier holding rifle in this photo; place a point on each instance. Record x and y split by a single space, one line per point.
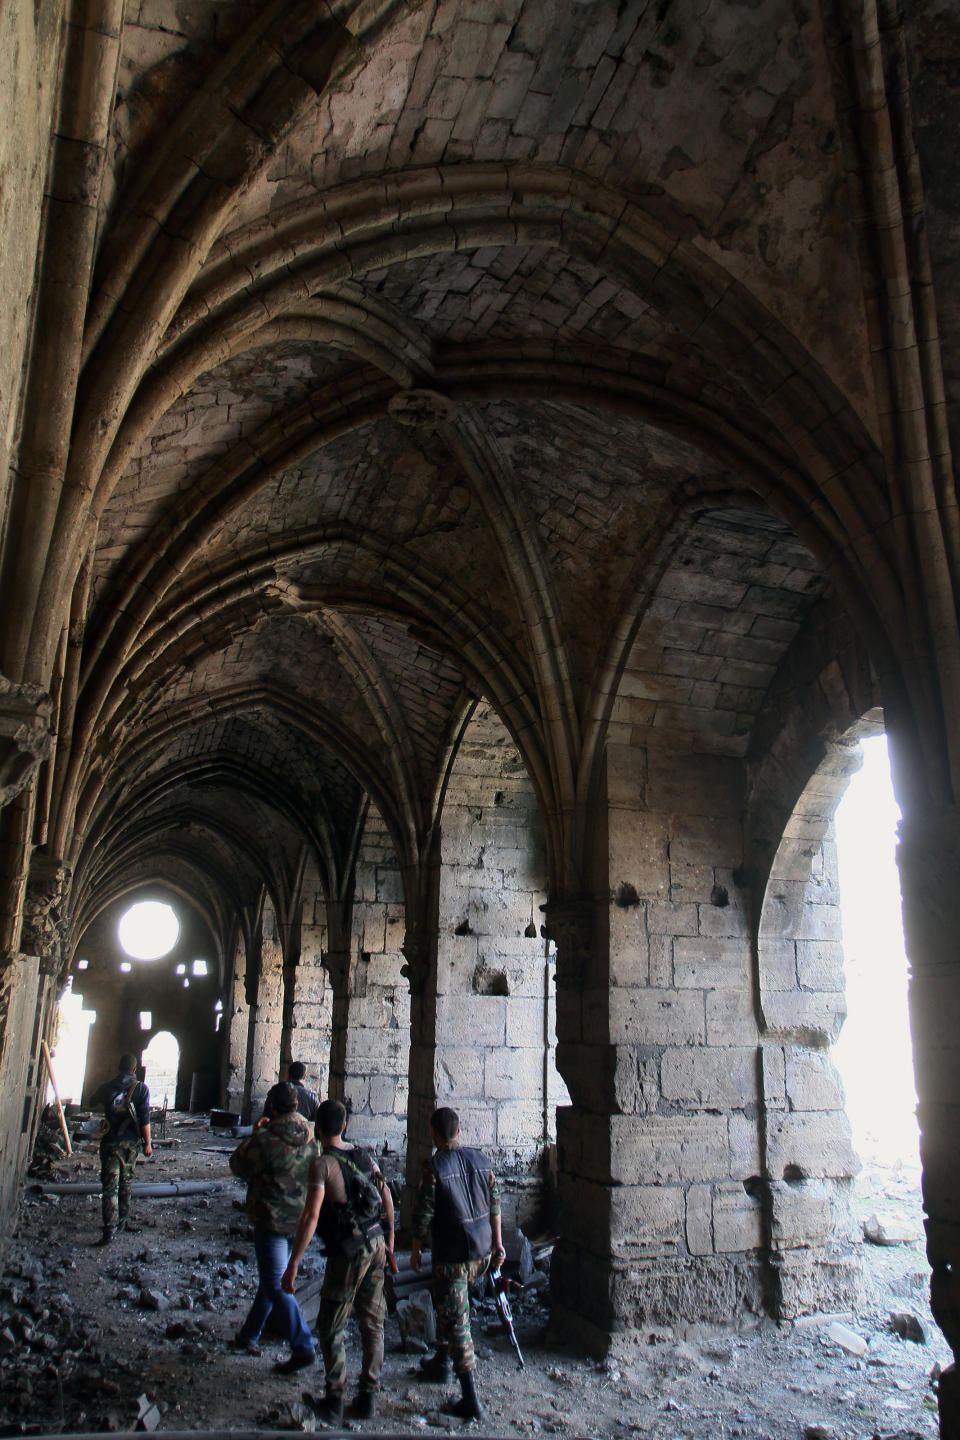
458 1214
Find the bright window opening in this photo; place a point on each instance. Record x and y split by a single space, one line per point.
125 966
874 1053
199 967
83 964
148 930
161 1062
146 1020
70 1047
181 970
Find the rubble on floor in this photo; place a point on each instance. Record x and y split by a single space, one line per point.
135 1336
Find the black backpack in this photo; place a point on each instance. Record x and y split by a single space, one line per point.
352 1227
119 1108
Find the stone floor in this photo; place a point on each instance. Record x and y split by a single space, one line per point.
90 1340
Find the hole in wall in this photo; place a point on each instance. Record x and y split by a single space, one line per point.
490 982
626 895
464 928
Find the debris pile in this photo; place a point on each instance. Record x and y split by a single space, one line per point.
135 1336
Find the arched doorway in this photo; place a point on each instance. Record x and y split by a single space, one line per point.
161 1063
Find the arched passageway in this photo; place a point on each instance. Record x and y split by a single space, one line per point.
393 367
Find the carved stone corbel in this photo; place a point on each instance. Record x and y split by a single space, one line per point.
416 954
46 913
571 925
336 962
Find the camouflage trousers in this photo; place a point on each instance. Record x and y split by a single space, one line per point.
451 1300
353 1287
117 1160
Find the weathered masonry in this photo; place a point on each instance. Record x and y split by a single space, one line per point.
472 469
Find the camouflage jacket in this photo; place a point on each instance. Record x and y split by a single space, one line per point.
274 1161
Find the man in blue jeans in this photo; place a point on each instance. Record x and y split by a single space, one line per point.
275 1161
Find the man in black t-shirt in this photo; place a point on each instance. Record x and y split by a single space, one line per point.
356 1256
308 1101
458 1214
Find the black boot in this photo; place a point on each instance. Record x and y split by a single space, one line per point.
107 1237
468 1406
329 1410
438 1366
364 1406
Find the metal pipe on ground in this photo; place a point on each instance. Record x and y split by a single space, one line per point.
146 1188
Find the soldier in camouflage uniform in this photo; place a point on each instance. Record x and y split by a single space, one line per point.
126 1105
357 1252
275 1162
458 1212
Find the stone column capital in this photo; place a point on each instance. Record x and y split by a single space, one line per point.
26 739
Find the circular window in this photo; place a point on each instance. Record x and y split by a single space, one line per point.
148 930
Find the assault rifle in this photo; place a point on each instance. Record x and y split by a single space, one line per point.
500 1287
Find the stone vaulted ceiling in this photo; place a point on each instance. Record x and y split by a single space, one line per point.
438 351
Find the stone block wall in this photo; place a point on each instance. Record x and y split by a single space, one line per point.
378 1003
496 1022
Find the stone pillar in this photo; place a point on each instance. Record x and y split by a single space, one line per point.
929 860
659 1152
582 1276
336 962
807 1157
309 997
43 935
238 1013
420 972
266 1029
494 1060
376 1036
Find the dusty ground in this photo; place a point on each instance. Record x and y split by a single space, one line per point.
89 1338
